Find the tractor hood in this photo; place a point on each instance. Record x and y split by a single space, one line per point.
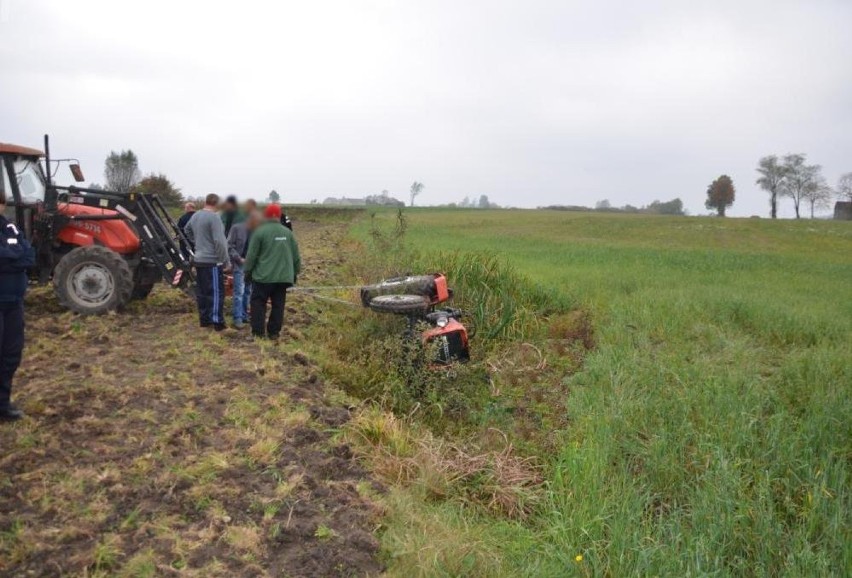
115 234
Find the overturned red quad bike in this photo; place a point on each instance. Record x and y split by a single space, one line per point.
417 297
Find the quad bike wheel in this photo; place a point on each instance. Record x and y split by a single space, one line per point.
93 280
412 284
400 304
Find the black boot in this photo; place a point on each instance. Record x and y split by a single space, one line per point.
11 413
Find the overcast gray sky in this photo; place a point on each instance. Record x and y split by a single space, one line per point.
531 102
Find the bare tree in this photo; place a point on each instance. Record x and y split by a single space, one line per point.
771 178
121 171
818 195
416 188
799 179
844 187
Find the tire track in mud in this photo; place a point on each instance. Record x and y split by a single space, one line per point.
156 448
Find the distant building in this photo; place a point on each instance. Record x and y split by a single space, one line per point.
843 210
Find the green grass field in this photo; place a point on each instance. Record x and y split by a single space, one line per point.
708 431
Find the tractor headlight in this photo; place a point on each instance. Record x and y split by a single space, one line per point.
442 322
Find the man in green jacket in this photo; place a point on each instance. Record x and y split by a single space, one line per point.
272 263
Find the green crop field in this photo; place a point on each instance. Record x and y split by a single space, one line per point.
708 429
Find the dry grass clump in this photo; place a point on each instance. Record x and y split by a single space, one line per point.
499 481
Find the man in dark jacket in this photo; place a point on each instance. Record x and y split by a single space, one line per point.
238 243
16 256
189 210
231 214
273 264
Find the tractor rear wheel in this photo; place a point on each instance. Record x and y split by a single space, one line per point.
400 304
413 284
93 280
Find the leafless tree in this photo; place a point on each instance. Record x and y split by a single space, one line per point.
416 188
844 187
818 195
121 171
771 178
800 178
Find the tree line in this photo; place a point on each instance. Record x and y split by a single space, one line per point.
122 174
791 176
673 207
788 176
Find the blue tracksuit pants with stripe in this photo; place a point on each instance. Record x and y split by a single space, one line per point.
210 295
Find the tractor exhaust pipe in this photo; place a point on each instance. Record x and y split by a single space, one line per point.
47 158
50 194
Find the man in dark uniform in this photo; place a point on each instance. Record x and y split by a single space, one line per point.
16 256
285 220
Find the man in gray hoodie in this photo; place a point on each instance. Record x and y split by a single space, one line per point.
207 234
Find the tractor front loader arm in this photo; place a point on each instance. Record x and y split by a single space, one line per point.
159 235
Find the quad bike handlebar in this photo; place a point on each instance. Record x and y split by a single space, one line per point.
435 317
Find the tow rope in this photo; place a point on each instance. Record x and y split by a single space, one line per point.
312 292
323 288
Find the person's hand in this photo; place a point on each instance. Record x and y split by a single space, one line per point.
228 269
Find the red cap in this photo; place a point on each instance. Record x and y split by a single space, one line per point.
273 211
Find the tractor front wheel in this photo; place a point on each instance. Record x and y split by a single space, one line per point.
141 291
93 280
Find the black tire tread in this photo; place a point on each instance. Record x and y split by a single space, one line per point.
400 304
123 278
141 291
412 284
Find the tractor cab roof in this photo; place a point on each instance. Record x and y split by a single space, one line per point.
11 149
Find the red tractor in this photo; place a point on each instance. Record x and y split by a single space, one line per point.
100 248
